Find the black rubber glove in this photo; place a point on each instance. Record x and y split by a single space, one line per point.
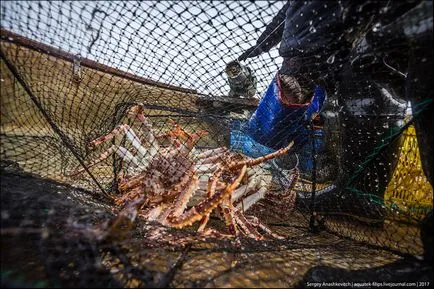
251 52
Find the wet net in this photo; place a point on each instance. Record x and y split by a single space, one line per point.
156 144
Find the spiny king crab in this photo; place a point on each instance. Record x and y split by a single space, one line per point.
160 181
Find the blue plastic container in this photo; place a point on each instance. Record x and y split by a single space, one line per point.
275 124
244 143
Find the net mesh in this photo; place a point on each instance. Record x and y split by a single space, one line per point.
123 144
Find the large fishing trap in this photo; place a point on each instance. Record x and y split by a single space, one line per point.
126 160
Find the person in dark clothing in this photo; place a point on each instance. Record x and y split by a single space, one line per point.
357 49
316 38
312 36
300 29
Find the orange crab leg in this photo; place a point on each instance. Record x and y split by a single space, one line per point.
259 160
212 184
254 221
228 213
246 226
178 207
120 129
185 196
179 132
205 207
203 223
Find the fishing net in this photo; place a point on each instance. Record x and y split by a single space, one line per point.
129 157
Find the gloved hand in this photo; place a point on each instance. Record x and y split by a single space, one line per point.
292 92
251 52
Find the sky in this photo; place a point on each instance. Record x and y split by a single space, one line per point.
182 43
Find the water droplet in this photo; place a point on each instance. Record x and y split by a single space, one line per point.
331 59
312 29
384 10
376 27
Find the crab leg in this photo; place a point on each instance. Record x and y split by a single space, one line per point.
211 159
131 195
228 213
216 234
251 185
238 193
137 110
121 151
205 168
142 153
184 197
209 152
257 224
203 223
181 202
250 226
191 141
247 202
212 183
245 225
259 160
120 129
178 133
258 182
205 207
155 213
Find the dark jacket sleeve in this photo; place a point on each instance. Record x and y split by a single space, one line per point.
270 37
274 30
